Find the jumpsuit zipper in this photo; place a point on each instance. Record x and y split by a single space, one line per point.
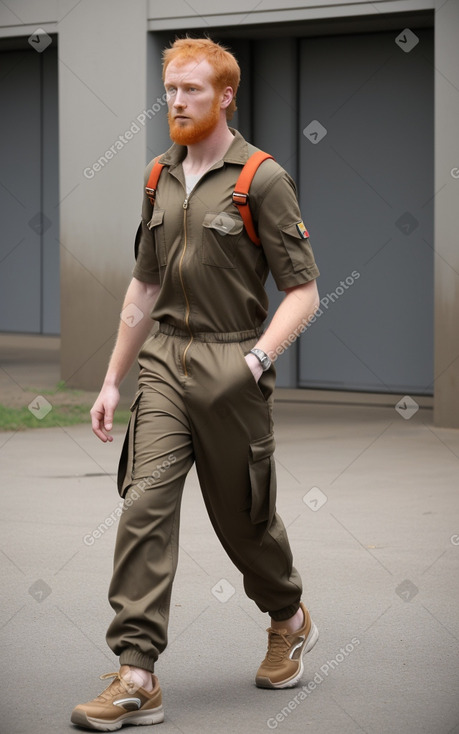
188 309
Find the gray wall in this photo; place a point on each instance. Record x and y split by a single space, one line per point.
101 95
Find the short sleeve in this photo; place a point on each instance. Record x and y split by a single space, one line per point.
283 235
146 267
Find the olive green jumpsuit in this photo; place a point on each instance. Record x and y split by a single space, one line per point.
197 400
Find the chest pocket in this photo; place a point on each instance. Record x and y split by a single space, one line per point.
156 225
220 238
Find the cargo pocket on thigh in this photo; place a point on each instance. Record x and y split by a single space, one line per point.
127 452
262 472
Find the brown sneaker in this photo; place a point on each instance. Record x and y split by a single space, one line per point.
121 703
283 664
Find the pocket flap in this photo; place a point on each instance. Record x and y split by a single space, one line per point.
292 230
262 479
134 403
223 223
126 460
157 218
262 448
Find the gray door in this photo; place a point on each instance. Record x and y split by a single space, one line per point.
29 245
366 187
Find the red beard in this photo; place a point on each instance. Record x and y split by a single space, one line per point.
194 131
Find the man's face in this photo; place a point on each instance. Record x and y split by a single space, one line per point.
194 104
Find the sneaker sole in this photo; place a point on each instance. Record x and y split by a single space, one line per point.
309 643
152 716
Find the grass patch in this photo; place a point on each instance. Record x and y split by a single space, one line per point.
14 419
60 388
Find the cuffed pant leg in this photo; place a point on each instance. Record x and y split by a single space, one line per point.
146 550
233 440
145 562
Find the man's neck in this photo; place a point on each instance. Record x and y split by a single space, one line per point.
201 156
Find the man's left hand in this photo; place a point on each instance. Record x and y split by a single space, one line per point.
254 366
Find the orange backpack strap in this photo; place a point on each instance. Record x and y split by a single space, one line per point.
153 179
150 190
241 192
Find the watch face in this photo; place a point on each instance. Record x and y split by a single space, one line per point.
263 358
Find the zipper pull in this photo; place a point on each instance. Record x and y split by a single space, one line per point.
185 203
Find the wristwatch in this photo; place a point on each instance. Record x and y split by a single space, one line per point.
262 357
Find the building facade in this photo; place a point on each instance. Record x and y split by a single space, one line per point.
359 101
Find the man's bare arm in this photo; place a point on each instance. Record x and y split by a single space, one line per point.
299 303
127 347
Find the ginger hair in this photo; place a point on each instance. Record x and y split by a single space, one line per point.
226 69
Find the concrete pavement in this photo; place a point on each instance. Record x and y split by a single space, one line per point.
371 504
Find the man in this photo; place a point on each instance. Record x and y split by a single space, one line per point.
205 385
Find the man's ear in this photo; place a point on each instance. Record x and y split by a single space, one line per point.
226 96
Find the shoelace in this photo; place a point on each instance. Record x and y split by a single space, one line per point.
123 686
278 644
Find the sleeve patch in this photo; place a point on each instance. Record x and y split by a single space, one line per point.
302 231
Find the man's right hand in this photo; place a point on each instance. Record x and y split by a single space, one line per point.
102 412
128 342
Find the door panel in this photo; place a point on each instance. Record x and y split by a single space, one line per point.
366 190
20 192
50 184
29 194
